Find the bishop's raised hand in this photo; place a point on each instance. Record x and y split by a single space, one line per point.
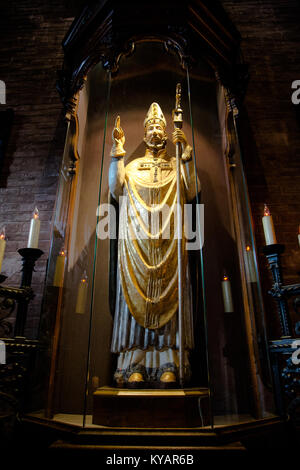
118 140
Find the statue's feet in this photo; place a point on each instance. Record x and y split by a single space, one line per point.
168 377
136 377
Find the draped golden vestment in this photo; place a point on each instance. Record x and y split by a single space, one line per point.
147 251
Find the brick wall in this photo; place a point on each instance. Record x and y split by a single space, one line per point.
31 53
271 127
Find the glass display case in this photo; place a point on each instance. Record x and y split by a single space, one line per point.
208 295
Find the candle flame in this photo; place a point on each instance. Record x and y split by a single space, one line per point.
62 252
84 277
36 213
266 211
225 278
248 248
2 234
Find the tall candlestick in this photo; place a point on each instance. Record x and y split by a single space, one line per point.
34 232
58 280
2 246
227 296
250 264
82 294
268 226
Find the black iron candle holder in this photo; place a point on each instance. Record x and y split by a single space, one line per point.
280 292
29 258
285 373
272 253
2 278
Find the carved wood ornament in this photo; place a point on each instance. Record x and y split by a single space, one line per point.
106 30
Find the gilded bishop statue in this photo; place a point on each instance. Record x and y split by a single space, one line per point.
145 332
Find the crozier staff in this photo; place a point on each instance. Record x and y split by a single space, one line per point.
178 119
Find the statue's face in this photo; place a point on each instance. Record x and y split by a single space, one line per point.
155 136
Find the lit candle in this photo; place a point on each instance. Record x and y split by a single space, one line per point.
82 294
250 264
299 235
59 269
227 297
34 232
268 225
2 246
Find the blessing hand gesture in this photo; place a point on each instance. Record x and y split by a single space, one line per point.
118 139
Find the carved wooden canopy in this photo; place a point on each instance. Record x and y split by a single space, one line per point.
106 29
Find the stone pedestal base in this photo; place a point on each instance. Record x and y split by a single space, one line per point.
145 408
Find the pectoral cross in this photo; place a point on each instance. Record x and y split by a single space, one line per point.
155 167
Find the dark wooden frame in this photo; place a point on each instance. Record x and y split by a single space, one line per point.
193 29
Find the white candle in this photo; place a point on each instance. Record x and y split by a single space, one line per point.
299 235
82 294
268 226
227 296
2 246
34 232
250 264
58 280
